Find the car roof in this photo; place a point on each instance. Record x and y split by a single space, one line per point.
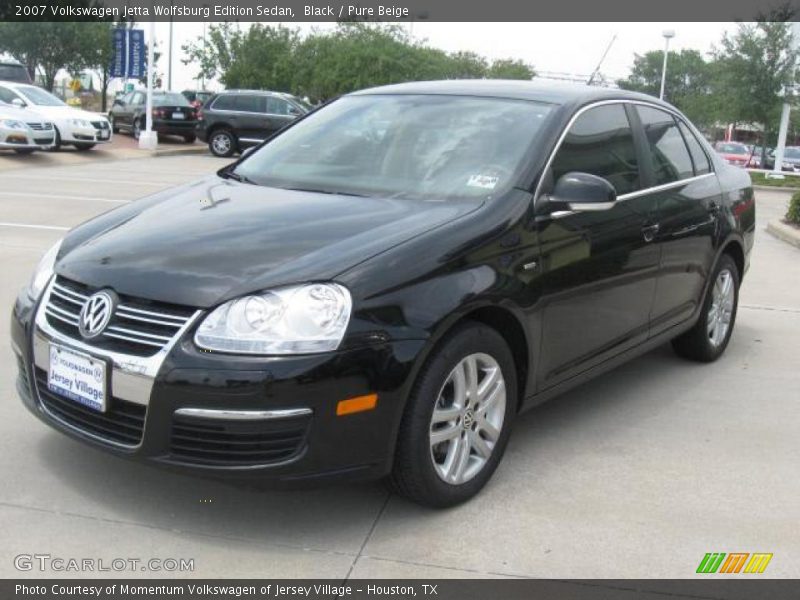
537 90
265 92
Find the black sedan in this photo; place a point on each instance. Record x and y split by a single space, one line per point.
380 289
172 114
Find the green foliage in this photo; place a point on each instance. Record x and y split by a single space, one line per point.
325 64
689 82
793 214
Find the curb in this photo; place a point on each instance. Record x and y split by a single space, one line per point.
784 232
198 149
775 188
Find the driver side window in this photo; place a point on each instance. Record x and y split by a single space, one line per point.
600 142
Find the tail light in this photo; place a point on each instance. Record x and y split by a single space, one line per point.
157 112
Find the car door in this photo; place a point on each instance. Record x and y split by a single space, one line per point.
688 197
280 113
136 108
599 268
253 123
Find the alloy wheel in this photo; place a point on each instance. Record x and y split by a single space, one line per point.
467 418
721 310
221 143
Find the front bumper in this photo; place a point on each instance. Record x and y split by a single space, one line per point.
22 139
229 415
99 133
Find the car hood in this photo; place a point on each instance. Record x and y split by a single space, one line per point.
65 112
9 111
202 244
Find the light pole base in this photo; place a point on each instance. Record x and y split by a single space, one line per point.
148 140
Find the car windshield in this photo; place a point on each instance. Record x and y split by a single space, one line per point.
425 147
170 99
732 149
40 97
791 153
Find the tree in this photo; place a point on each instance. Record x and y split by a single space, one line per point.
99 55
758 70
509 68
688 85
45 47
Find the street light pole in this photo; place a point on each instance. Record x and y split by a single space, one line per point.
668 34
148 139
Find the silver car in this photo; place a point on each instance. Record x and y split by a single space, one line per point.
24 130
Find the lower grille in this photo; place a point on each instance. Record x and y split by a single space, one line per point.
122 423
237 443
43 141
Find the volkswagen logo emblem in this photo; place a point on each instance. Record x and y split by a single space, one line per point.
95 314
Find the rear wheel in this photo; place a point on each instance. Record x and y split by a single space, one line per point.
222 143
458 419
707 340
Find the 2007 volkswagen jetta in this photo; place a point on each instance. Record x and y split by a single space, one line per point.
382 287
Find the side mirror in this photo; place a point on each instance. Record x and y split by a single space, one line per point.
18 102
584 192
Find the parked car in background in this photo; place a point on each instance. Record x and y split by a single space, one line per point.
172 114
382 288
197 98
235 119
791 158
23 130
734 153
11 70
73 126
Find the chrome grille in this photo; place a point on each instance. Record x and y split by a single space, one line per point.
139 327
41 126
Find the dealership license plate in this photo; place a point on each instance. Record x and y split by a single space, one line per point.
78 377
178 115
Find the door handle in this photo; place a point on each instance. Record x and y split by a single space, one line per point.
649 232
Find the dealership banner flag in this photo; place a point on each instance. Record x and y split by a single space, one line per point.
119 63
136 64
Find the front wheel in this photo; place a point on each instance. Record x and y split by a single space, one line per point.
458 419
137 128
707 340
24 150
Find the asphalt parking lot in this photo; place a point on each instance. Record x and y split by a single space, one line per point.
636 474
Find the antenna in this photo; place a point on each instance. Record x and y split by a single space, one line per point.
600 64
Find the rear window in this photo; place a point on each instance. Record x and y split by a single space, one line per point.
16 73
170 99
670 156
241 102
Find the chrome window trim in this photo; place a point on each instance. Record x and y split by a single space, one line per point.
243 415
132 377
629 195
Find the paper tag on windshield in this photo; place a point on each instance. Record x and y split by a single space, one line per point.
487 182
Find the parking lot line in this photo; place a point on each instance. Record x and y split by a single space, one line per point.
29 226
62 197
93 180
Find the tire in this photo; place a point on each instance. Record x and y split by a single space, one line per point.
113 123
56 143
222 143
706 341
24 150
190 139
84 147
431 473
136 131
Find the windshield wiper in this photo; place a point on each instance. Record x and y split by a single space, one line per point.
236 177
317 191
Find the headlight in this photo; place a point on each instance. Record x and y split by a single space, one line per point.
79 122
43 272
12 124
293 320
